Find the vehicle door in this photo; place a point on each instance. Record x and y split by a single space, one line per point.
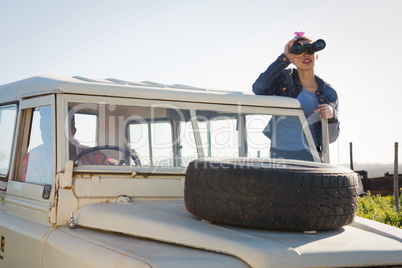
8 117
28 198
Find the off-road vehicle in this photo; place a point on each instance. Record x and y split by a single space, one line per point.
111 173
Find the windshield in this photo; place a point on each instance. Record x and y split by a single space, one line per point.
167 136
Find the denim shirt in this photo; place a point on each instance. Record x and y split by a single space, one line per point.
277 80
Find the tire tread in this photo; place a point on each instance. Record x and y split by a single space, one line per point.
267 198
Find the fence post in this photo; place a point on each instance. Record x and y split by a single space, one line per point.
396 178
351 155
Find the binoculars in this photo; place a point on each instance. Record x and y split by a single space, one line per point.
300 48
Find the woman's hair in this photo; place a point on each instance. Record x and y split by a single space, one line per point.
302 38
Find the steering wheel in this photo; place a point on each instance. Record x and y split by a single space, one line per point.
126 151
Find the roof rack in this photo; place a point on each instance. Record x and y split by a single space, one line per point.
143 83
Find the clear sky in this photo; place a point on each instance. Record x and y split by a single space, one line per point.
220 44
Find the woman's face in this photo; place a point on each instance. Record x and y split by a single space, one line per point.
306 61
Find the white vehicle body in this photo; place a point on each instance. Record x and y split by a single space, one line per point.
134 215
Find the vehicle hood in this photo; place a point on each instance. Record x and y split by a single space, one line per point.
362 243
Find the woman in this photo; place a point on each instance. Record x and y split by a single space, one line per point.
317 98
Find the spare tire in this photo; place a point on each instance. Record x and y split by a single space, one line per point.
297 195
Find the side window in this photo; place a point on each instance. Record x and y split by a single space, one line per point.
87 125
258 143
220 137
83 135
109 134
153 142
188 150
37 163
7 126
162 137
138 134
161 143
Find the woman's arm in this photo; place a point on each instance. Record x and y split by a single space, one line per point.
330 111
266 83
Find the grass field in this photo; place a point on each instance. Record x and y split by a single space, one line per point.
381 209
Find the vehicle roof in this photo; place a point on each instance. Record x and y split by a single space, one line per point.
42 85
